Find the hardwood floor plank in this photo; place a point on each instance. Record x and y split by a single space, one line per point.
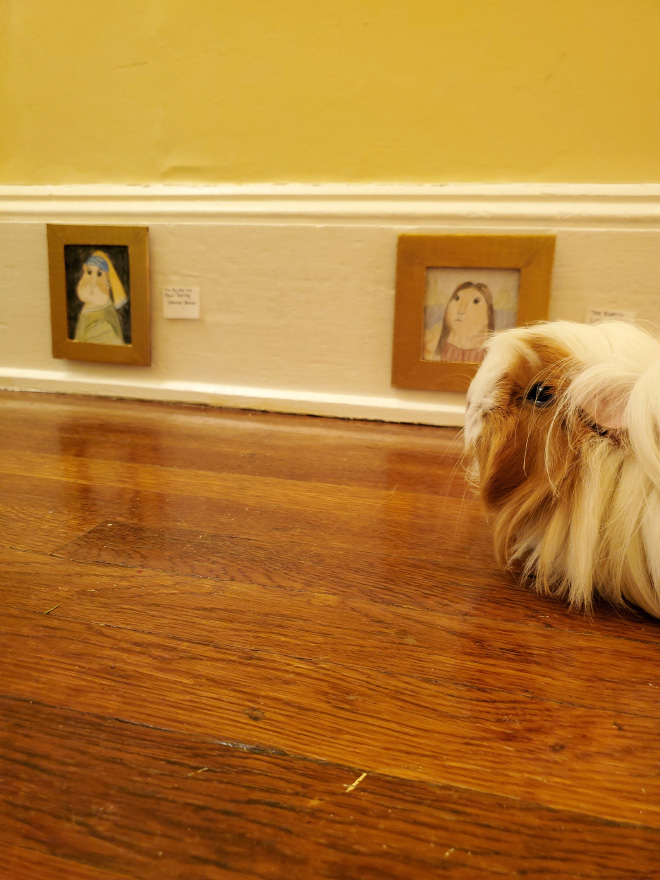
413 457
22 863
154 804
277 562
345 627
417 523
565 756
459 587
455 539
462 579
267 491
43 530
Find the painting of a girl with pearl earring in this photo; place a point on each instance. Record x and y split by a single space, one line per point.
100 305
98 294
462 307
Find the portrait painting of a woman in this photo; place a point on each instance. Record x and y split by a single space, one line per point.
100 305
463 306
98 295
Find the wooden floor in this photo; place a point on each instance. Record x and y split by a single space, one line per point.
261 646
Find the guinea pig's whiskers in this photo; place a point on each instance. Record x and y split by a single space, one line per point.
529 434
470 485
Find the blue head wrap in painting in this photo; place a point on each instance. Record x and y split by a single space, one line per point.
97 261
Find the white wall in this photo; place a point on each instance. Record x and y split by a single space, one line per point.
297 284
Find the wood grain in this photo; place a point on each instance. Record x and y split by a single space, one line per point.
23 863
42 529
254 444
290 603
492 741
459 587
341 624
389 520
267 492
210 811
345 515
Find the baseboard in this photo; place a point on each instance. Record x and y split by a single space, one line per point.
349 406
298 284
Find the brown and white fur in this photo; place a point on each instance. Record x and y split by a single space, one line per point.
562 438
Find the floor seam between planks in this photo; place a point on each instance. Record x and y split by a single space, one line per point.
268 751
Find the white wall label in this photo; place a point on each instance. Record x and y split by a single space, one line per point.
181 302
594 316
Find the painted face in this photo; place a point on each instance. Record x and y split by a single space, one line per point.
466 316
94 287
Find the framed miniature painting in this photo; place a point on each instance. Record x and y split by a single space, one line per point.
452 291
99 293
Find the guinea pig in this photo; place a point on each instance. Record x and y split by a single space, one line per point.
562 439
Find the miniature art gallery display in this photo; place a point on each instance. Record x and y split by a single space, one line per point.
452 292
99 289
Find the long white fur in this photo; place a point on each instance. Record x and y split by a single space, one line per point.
606 538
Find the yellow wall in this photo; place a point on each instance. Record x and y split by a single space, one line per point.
212 91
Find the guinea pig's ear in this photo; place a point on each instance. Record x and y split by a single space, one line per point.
603 398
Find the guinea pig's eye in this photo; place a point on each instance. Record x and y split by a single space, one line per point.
476 301
540 395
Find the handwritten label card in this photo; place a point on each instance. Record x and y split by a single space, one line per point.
181 302
595 316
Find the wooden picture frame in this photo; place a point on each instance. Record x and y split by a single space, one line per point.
446 278
99 293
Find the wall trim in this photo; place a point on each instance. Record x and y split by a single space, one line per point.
352 406
561 204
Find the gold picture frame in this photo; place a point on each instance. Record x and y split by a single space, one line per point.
99 293
445 307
